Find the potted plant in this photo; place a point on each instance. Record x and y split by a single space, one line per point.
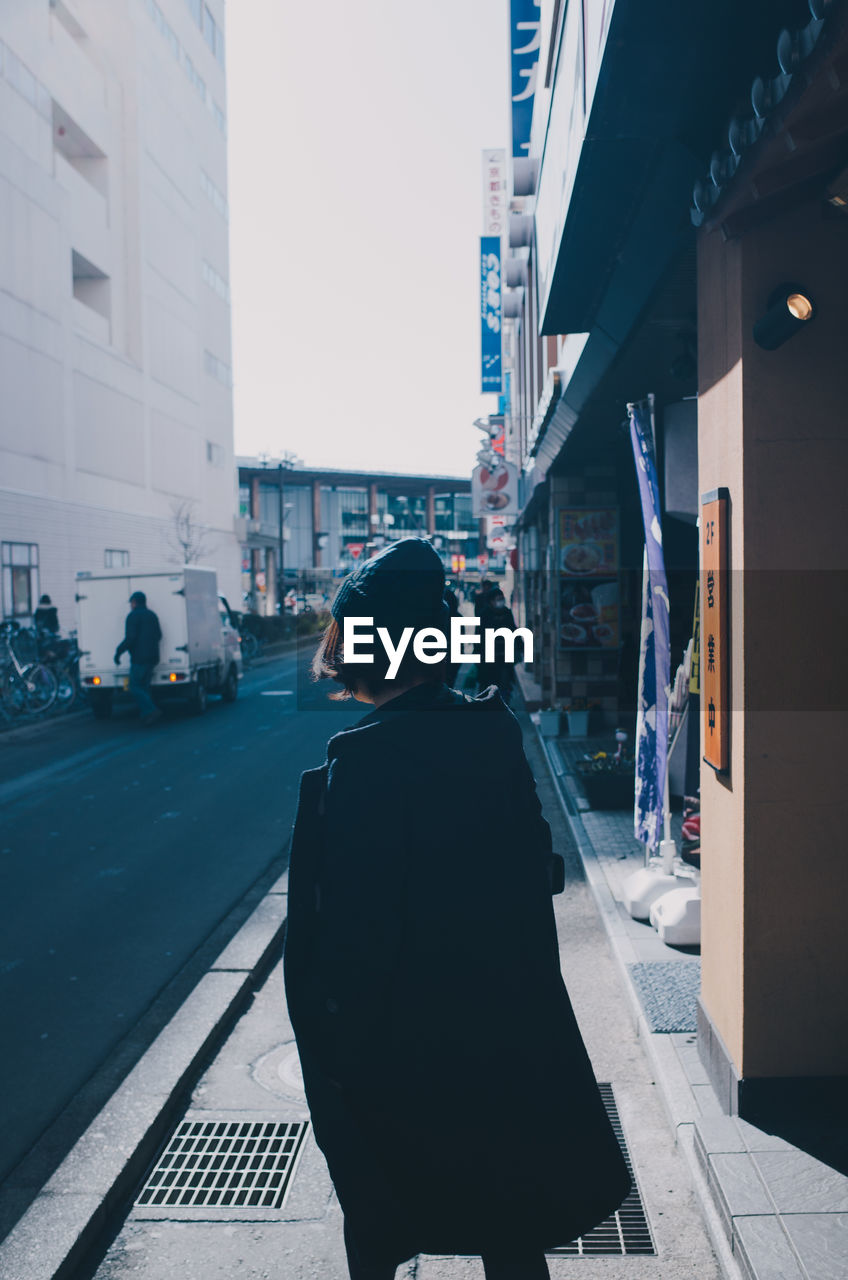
608 777
577 715
549 721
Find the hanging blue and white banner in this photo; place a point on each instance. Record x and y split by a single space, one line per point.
654 650
525 30
490 314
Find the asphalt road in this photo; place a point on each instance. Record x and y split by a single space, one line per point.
121 851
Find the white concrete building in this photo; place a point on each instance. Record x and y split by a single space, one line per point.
115 383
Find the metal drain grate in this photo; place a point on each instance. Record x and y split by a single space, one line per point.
225 1165
626 1231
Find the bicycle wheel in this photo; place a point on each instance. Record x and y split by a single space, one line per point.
41 687
66 690
12 693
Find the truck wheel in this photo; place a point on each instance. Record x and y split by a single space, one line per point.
229 689
200 698
101 705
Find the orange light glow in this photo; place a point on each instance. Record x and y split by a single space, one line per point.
173 677
96 680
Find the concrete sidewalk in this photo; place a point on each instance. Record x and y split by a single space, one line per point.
255 1076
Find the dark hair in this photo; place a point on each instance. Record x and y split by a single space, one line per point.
139 597
329 663
45 600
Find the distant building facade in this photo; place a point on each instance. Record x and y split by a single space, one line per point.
331 519
114 297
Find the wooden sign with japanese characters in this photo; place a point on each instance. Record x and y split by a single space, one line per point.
714 632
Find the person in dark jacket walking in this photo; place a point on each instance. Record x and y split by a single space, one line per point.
142 634
496 615
46 616
448 1084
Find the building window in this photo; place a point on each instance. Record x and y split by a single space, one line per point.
244 500
217 369
194 76
409 515
116 559
214 195
465 519
214 454
19 76
213 35
196 8
91 285
20 578
353 513
219 118
216 281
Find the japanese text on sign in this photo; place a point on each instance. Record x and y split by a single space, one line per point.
714 629
494 192
490 313
525 38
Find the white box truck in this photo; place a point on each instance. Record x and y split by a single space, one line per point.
199 652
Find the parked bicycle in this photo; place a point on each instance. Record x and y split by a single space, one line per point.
61 655
26 687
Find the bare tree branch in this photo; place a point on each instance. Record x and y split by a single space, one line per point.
187 539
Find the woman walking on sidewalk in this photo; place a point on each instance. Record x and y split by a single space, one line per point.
448 1084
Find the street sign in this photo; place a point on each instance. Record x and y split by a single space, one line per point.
483 563
356 549
494 192
457 564
494 489
490 314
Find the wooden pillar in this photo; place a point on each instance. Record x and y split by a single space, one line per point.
771 431
431 509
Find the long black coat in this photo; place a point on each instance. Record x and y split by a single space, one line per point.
448 1084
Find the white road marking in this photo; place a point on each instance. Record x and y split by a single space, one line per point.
277 693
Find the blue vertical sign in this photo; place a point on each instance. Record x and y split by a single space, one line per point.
490 313
654 650
525 31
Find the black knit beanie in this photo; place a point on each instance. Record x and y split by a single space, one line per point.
401 587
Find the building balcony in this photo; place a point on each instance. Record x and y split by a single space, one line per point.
88 219
78 85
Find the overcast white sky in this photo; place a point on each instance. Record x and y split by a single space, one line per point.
355 133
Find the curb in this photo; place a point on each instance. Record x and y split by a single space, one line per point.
680 1105
92 1183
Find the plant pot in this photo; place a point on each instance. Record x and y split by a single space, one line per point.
578 724
549 723
608 790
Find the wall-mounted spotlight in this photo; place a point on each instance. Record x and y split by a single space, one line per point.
789 309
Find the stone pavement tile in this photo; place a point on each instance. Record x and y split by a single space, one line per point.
735 1175
691 1061
720 1134
822 1242
708 1104
764 1251
758 1140
801 1184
